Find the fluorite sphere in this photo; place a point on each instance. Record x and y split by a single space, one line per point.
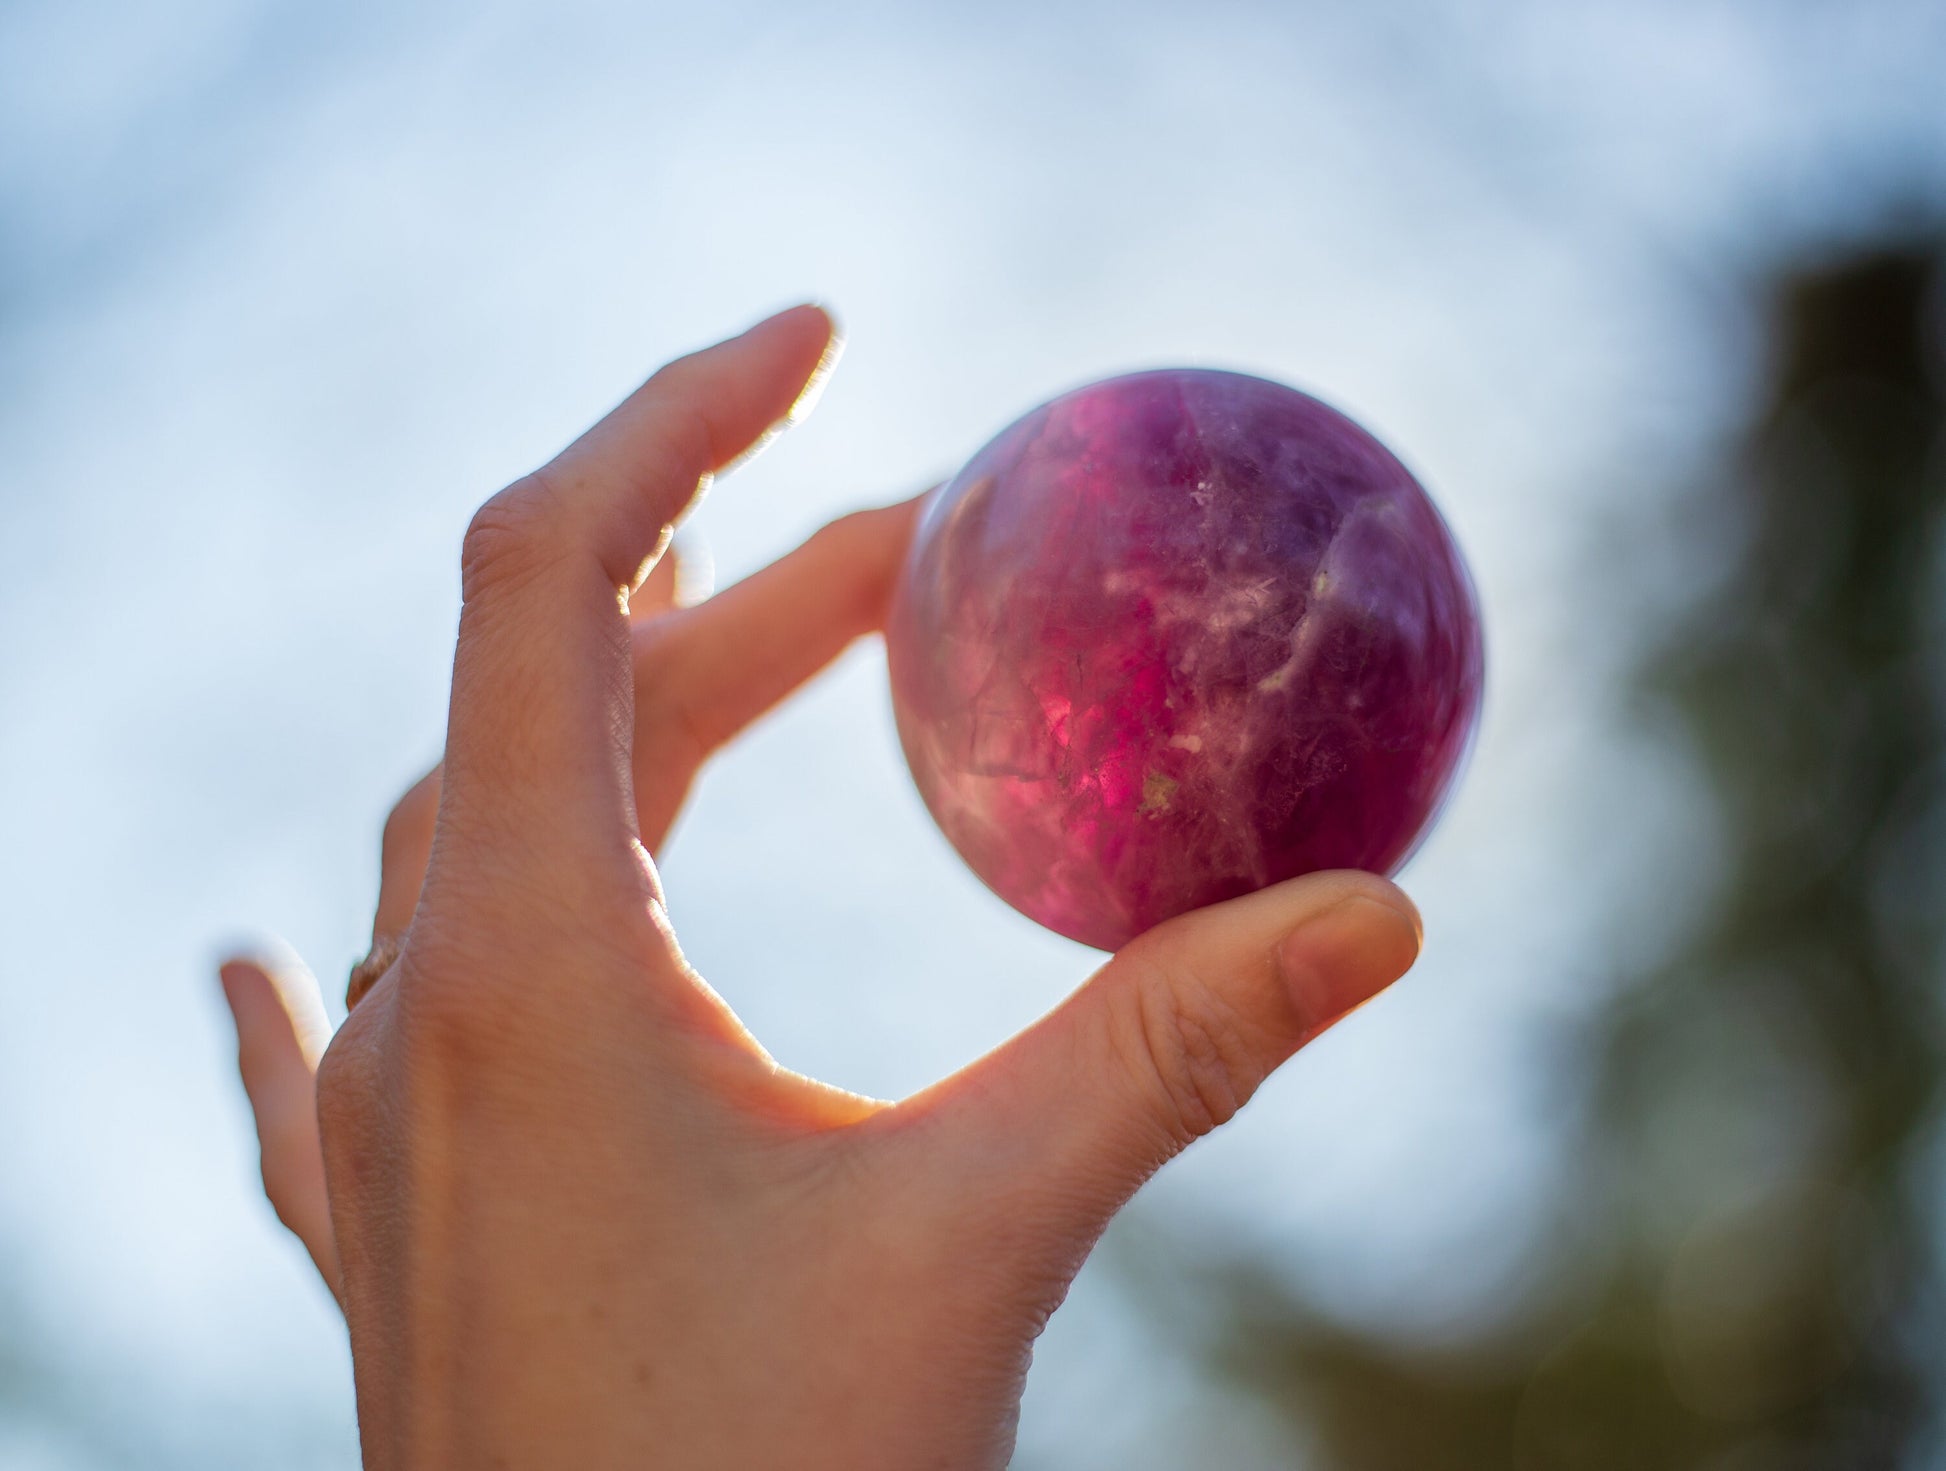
1174 637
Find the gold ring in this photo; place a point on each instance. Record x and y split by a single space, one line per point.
364 975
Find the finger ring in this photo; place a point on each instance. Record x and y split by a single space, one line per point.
364 975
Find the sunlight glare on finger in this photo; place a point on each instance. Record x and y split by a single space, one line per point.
834 349
297 989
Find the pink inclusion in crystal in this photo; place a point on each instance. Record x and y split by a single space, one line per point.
1174 637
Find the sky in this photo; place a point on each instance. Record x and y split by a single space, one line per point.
285 291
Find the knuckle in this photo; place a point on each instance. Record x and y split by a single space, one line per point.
341 1081
464 1000
463 1020
350 1115
509 537
1192 1049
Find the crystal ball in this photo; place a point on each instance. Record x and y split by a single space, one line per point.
1176 636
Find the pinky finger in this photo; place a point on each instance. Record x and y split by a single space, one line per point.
280 1035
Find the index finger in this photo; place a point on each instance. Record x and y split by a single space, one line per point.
542 700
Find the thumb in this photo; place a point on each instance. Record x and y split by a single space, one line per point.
1170 1038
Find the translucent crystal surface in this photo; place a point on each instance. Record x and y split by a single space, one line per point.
1176 636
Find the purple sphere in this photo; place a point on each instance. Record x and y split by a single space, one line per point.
1174 637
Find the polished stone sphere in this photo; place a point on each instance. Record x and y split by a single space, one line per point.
1176 636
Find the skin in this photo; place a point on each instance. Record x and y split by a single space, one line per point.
573 1211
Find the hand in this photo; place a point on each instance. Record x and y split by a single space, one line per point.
702 675
581 1218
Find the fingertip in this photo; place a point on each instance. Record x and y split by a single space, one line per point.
258 1016
1374 889
1342 955
790 355
831 347
808 327
239 976
799 314
271 996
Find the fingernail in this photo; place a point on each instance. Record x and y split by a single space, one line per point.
1344 955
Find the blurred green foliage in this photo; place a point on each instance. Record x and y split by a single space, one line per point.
1743 1277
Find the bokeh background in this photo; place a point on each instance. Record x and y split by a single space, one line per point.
1642 1167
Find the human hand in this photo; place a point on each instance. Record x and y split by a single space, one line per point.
702 675
580 1216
